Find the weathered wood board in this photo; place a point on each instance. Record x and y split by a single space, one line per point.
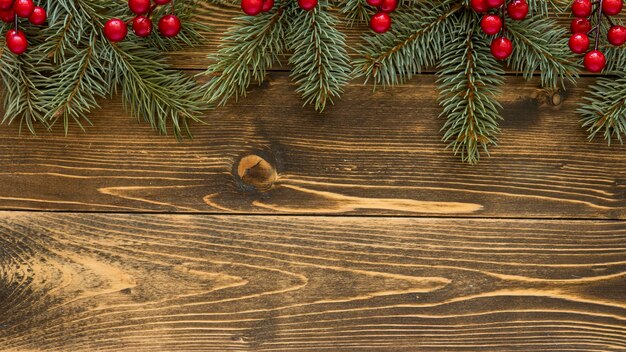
89 282
373 153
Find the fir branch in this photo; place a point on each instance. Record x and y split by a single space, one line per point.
75 86
151 91
246 52
541 46
192 31
615 56
604 109
415 41
89 67
321 66
355 12
71 25
469 81
21 79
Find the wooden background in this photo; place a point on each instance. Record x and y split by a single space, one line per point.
280 229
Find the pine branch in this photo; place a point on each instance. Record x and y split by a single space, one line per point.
74 87
192 31
89 67
615 56
604 109
469 81
71 25
355 12
152 91
541 46
21 79
246 52
321 66
416 41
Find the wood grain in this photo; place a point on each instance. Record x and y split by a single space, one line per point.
373 153
85 282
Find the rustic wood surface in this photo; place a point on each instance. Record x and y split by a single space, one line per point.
86 282
372 153
280 229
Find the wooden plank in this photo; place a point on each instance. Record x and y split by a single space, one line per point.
222 17
373 153
85 282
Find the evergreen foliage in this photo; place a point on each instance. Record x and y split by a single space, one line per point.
446 34
470 79
603 108
70 65
437 34
320 61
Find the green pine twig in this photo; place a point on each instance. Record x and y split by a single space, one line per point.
469 82
321 65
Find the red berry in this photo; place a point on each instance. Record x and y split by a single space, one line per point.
580 25
142 26
612 7
389 6
374 3
38 17
23 8
6 4
16 41
7 15
307 5
578 43
501 48
162 2
267 5
617 35
581 8
169 26
139 7
252 7
380 22
491 24
115 30
479 6
517 9
595 61
494 3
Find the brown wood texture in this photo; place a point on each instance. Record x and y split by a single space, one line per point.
524 252
373 153
87 282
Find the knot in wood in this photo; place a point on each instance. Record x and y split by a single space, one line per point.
256 172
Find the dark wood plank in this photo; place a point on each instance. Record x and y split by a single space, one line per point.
373 153
85 282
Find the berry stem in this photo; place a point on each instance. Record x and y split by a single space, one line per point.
16 23
503 18
599 23
151 10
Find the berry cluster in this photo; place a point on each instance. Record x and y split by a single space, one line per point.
584 11
381 21
255 7
495 24
169 25
11 11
